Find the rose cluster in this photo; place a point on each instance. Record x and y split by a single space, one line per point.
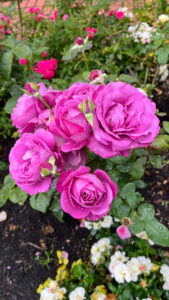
47 68
56 127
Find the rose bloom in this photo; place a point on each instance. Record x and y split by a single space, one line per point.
119 15
94 74
124 119
74 159
70 123
30 113
86 195
22 61
79 41
65 17
90 32
123 232
30 154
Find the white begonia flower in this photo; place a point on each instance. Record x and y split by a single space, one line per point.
97 225
47 295
166 285
164 270
88 225
59 294
94 249
143 235
145 264
163 18
97 296
121 273
163 72
133 267
107 222
118 257
97 258
77 294
104 244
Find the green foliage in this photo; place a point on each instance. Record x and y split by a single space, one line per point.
41 201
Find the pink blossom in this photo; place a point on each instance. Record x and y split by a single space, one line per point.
101 12
111 12
65 254
119 15
74 159
79 41
52 18
65 17
123 232
90 32
94 74
8 20
40 16
6 31
55 14
29 156
1 27
22 61
86 195
124 119
47 68
44 54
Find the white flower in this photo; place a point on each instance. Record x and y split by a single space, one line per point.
143 235
97 259
121 273
166 285
53 292
104 244
47 295
59 294
107 222
118 257
77 294
88 225
133 266
94 249
145 264
163 72
164 270
97 296
163 18
96 225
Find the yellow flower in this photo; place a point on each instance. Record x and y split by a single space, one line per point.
61 273
151 54
155 267
101 289
77 262
59 256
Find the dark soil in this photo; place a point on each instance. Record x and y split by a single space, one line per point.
25 234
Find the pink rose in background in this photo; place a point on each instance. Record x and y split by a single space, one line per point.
119 15
30 113
86 195
90 32
40 16
30 154
65 17
44 54
47 68
74 159
7 31
79 41
111 12
123 232
94 74
70 123
22 61
124 119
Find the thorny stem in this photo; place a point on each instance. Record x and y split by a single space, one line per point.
20 16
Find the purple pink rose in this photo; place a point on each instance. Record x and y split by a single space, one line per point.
86 195
124 119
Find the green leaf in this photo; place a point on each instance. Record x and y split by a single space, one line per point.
140 152
119 209
91 105
3 166
112 77
128 189
138 168
146 211
85 75
56 209
89 118
127 78
10 104
16 195
162 55
112 287
140 184
22 51
9 182
157 232
156 161
3 195
123 211
166 126
79 270
41 201
6 64
137 225
161 142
